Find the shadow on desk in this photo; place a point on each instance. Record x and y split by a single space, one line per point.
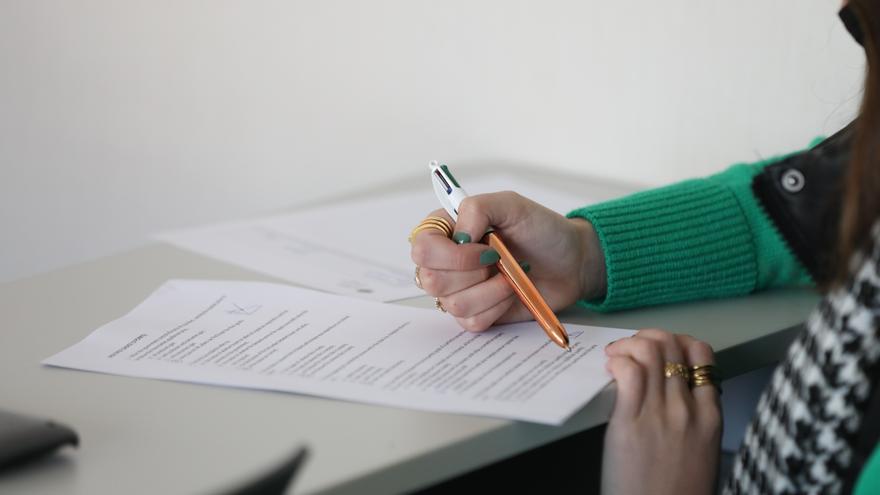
570 465
60 465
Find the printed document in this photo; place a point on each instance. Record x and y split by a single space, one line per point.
356 248
278 337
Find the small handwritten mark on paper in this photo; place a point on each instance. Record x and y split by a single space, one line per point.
244 310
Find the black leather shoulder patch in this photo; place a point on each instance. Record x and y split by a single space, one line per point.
801 194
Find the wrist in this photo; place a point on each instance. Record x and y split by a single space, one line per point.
592 263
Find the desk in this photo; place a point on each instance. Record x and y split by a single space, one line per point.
149 436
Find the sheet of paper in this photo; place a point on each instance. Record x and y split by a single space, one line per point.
356 248
278 337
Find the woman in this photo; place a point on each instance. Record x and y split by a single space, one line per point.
810 217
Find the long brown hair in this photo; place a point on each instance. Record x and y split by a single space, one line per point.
860 206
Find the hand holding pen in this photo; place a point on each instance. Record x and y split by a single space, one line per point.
561 255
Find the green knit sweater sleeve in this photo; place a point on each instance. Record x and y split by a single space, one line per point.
697 239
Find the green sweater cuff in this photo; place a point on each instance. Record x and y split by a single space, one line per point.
702 238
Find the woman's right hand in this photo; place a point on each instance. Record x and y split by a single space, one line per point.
564 257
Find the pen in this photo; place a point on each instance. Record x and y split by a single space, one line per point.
450 193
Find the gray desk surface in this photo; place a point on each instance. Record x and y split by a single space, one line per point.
149 436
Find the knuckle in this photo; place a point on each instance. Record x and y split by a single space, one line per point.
500 285
647 351
420 252
700 348
473 324
666 337
627 371
455 306
656 333
430 282
700 353
469 204
509 196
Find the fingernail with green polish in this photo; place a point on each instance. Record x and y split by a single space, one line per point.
488 257
525 266
461 237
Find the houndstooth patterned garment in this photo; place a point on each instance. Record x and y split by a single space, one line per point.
801 438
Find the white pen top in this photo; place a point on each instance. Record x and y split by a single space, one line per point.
447 189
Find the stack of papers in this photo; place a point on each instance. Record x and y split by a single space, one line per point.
347 346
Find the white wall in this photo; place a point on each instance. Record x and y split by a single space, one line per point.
122 118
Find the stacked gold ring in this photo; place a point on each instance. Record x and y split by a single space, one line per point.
706 374
437 223
695 376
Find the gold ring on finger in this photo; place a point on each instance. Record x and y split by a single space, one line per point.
442 221
676 369
437 223
439 305
706 374
416 278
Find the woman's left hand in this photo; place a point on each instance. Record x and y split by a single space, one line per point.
663 437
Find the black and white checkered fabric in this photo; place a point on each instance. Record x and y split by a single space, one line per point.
801 438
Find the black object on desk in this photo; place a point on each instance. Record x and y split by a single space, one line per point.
23 438
277 480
